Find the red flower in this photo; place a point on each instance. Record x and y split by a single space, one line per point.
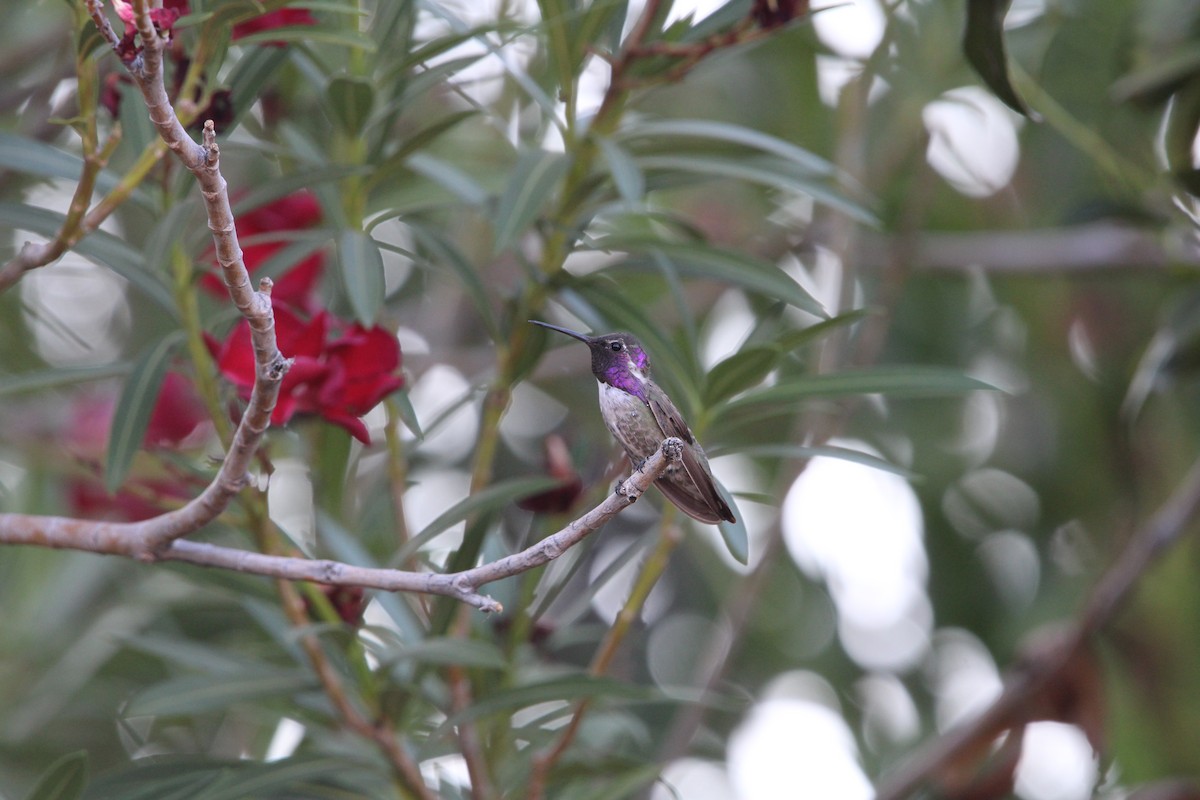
284 18
340 379
294 212
163 18
178 413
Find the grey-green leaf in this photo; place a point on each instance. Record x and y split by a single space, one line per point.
732 267
891 381
100 246
626 174
734 534
494 497
362 274
460 652
59 376
529 188
727 132
195 694
350 100
740 371
65 779
134 408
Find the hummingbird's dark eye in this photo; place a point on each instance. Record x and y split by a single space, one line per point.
616 347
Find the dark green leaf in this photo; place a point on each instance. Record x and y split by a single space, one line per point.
362 274
31 157
626 174
734 533
398 160
350 100
408 415
134 408
442 252
804 452
311 34
195 694
790 341
530 186
737 269
660 130
447 650
99 246
59 376
251 74
573 687
740 371
305 178
983 45
767 172
450 177
493 498
891 381
65 779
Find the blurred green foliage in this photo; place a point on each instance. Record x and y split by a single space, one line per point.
477 170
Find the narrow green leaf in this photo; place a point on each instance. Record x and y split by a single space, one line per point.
350 100
737 541
530 186
443 252
362 274
983 45
492 498
800 451
65 779
740 371
390 168
311 34
729 266
790 341
408 415
766 172
195 694
447 650
633 782
251 73
59 377
626 174
572 687
31 157
134 408
100 246
660 130
913 381
306 178
449 177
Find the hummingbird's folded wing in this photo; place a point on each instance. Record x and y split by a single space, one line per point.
698 497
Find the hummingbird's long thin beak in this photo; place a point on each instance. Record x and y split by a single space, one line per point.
567 331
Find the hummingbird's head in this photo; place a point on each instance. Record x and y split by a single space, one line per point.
617 359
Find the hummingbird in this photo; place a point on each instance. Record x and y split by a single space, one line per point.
640 415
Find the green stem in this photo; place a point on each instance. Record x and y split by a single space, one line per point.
188 305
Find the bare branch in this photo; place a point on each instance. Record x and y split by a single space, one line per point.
128 539
1016 703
